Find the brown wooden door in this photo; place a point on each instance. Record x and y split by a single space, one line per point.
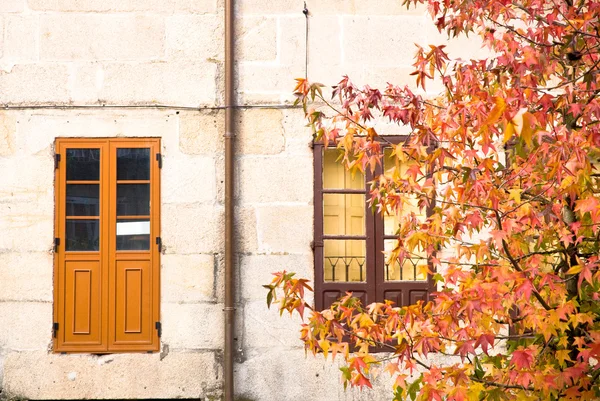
106 254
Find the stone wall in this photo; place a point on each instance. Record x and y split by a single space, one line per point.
101 68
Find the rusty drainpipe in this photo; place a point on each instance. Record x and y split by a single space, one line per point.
228 349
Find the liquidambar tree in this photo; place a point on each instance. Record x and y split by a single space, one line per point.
505 159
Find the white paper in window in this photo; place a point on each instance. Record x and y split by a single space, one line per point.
133 228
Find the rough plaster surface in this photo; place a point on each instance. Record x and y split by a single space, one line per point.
123 53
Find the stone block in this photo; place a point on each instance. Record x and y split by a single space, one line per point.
188 179
192 326
87 79
71 5
260 132
26 326
156 6
168 6
358 7
379 77
201 132
324 43
8 128
256 38
40 375
197 37
12 6
257 270
20 38
363 44
267 81
275 179
27 226
187 278
265 328
298 136
35 83
66 37
26 276
465 48
190 229
287 229
38 130
265 372
173 83
25 187
245 229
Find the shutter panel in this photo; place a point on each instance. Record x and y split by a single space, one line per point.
79 262
133 228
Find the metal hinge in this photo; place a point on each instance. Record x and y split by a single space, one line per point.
316 244
54 329
158 327
56 244
159 160
56 160
159 243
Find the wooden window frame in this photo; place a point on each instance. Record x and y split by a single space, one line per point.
124 285
375 288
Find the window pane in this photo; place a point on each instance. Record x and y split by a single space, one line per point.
344 260
133 235
395 169
335 175
82 235
83 164
133 164
83 200
413 268
391 223
344 214
133 199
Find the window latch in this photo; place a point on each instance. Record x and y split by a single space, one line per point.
159 159
56 160
158 327
159 243
56 244
54 329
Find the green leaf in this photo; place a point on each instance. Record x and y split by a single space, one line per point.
414 388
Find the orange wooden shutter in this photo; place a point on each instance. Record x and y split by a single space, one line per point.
106 299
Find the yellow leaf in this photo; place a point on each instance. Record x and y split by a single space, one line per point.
575 269
324 344
515 194
509 131
474 391
497 110
528 128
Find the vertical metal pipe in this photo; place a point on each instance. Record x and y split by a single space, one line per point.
228 350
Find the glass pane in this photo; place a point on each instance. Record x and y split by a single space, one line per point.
133 164
391 223
395 169
83 200
344 260
344 214
412 268
83 164
133 199
335 175
82 235
133 235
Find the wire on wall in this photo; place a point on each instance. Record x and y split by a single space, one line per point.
305 12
